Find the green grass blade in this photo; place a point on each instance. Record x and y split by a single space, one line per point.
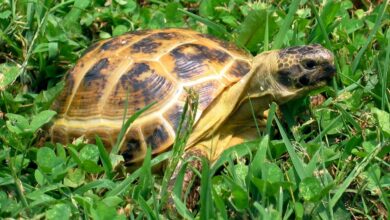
353 174
177 189
260 157
378 21
282 34
182 134
298 164
206 202
216 27
97 184
239 151
266 33
349 118
126 125
322 26
271 115
105 158
328 128
181 208
126 183
385 75
147 210
219 204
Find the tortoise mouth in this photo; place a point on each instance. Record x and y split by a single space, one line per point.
329 71
323 77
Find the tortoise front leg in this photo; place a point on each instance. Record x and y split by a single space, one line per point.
191 181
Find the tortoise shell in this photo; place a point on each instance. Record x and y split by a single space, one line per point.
144 67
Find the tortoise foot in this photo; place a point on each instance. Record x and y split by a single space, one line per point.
190 187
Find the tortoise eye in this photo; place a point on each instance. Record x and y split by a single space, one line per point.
309 64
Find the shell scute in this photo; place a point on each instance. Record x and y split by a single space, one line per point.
156 136
173 114
90 90
239 69
144 83
193 61
132 146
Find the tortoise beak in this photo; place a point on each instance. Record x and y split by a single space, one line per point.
327 73
324 74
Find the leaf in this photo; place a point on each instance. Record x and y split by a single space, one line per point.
310 189
299 210
45 99
71 21
121 2
8 74
103 211
119 30
383 119
47 159
271 172
16 123
74 178
59 211
171 11
5 14
91 166
89 152
252 31
112 201
239 197
40 119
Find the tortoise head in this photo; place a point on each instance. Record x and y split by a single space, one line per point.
294 71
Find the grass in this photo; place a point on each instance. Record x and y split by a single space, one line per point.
329 161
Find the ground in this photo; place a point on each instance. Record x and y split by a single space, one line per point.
325 159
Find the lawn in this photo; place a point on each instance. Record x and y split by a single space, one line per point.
314 160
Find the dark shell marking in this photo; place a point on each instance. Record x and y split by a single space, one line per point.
157 138
131 147
151 43
91 88
240 68
173 115
95 72
191 59
144 84
206 91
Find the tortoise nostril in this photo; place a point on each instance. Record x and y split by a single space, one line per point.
304 80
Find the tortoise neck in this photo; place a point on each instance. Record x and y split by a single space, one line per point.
260 82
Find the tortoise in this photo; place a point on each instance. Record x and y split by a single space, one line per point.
160 66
